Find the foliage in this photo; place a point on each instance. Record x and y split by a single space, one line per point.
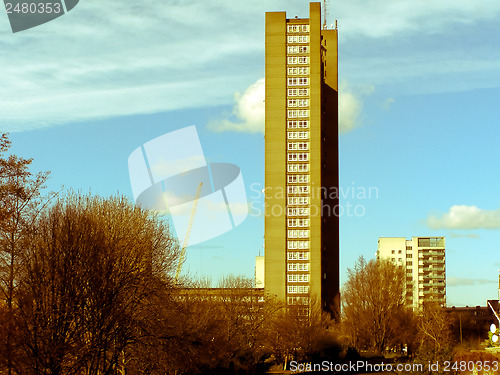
20 202
434 337
374 315
91 266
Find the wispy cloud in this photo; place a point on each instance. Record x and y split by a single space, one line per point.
465 217
462 281
145 57
248 112
471 235
125 58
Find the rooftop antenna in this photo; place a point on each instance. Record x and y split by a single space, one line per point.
325 14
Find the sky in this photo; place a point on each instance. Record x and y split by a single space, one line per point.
419 136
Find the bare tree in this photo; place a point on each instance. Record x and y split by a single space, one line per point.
374 315
434 337
19 202
92 266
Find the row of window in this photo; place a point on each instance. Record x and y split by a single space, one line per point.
301 146
298 223
298 200
298 60
297 38
298 278
298 301
298 156
298 211
297 28
298 255
298 92
300 289
298 103
298 124
298 135
298 233
298 167
293 245
298 179
301 189
304 70
297 49
298 267
297 113
298 81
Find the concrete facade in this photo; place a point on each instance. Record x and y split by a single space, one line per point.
301 165
423 259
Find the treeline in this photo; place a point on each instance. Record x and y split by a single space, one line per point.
87 287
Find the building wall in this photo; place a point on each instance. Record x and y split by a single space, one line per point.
301 257
423 259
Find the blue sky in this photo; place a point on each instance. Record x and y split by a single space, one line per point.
419 94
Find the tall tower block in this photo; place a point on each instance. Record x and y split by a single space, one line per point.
301 161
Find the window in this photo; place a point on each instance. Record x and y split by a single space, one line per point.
302 145
294 49
302 289
293 39
302 189
291 211
294 103
292 146
293 59
299 267
298 255
303 92
301 103
293 245
302 156
303 60
292 81
303 135
298 278
302 81
292 179
293 113
302 167
292 92
297 168
301 233
302 178
292 190
292 71
293 201
292 156
301 49
303 39
302 278
292 288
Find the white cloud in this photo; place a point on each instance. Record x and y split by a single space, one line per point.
248 112
462 281
350 106
466 217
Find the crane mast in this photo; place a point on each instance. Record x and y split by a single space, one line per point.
188 233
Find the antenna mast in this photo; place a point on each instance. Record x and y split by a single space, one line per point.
325 14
